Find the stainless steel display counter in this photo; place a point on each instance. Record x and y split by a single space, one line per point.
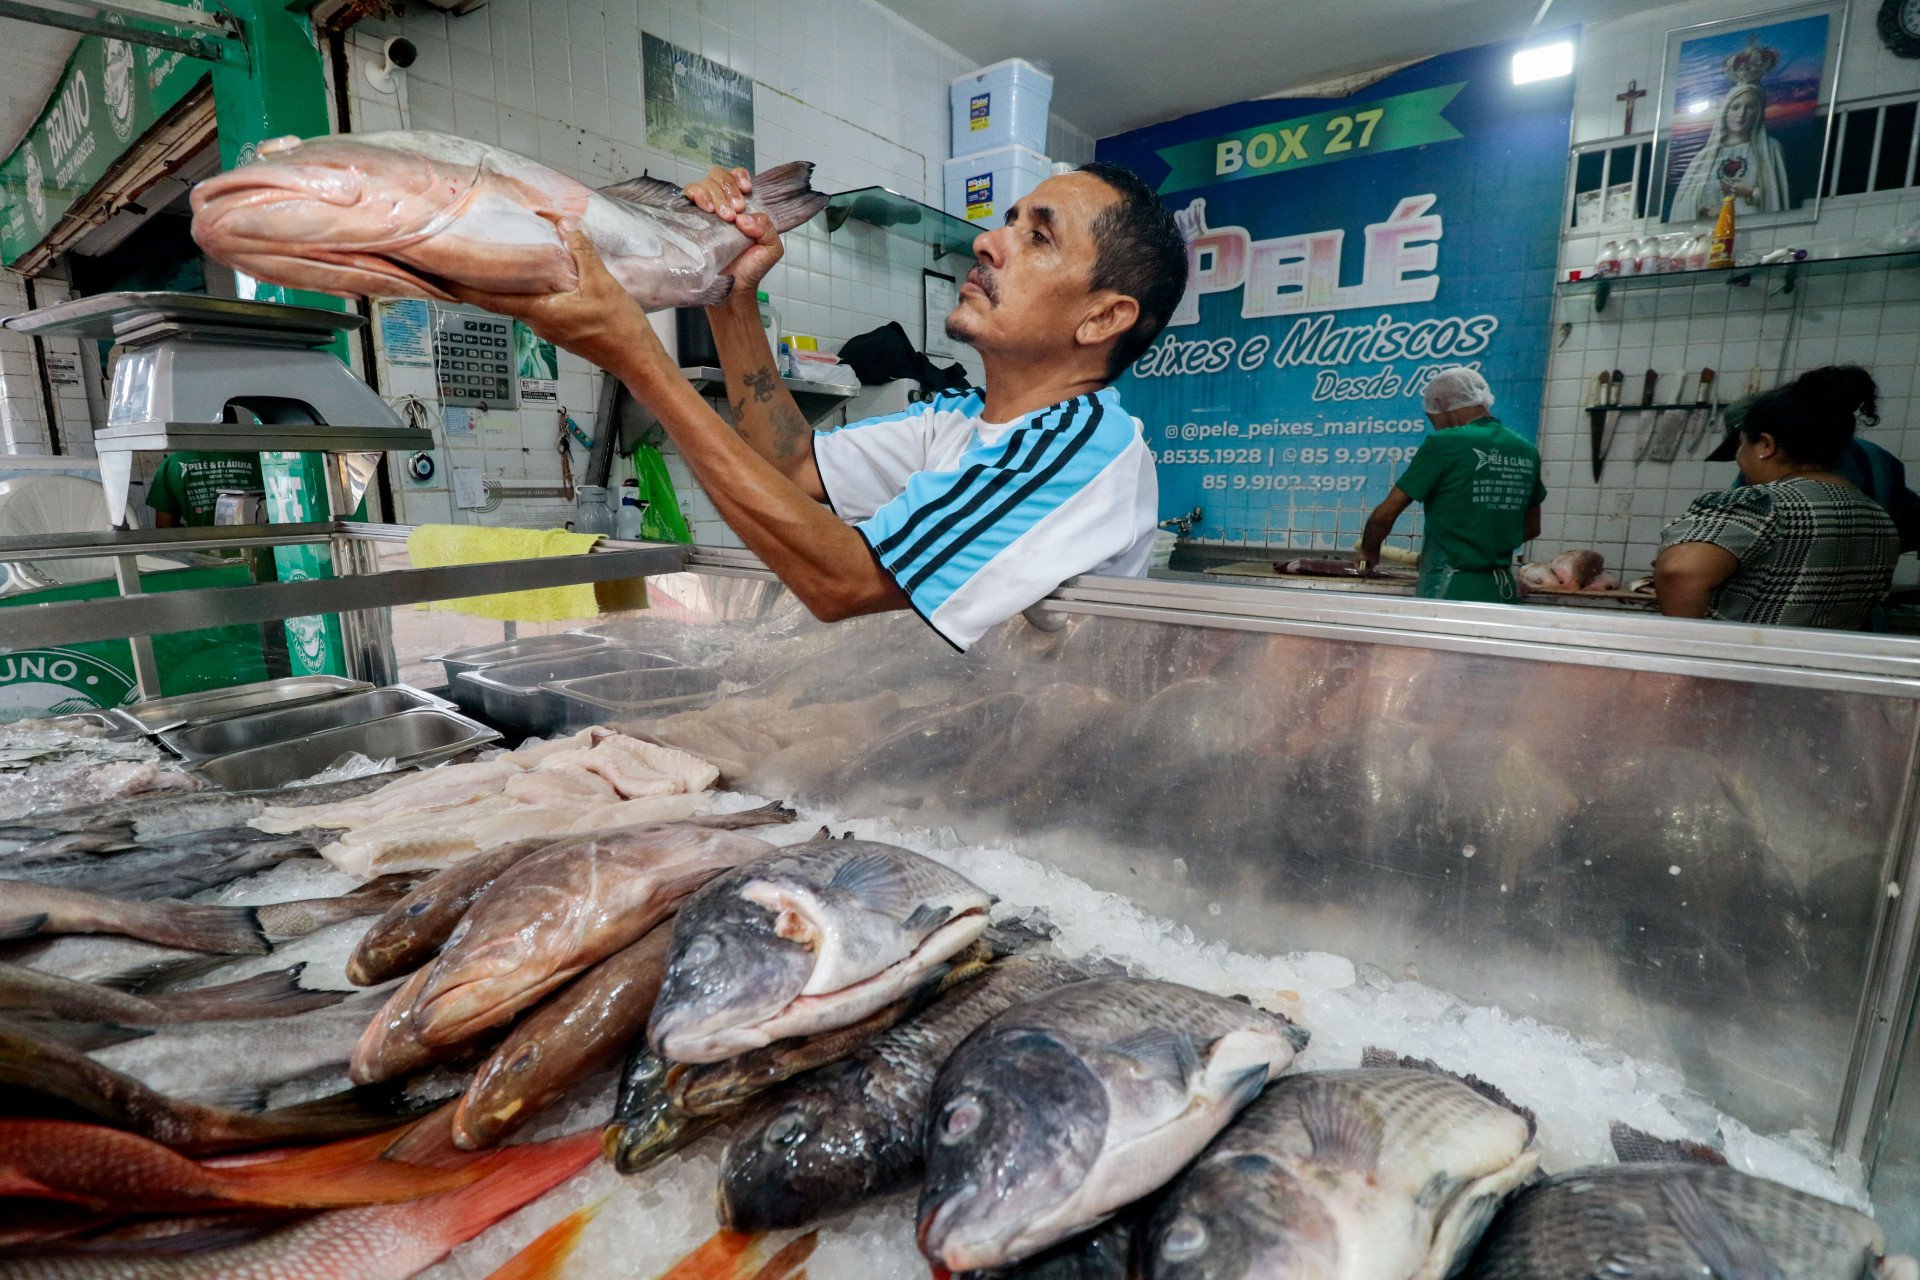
1687 840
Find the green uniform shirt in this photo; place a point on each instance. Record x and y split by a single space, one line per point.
1476 481
189 483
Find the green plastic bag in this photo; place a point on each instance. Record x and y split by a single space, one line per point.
662 521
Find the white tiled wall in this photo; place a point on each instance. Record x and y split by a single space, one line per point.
1872 319
844 83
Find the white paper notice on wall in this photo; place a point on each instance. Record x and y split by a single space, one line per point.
469 488
406 333
63 371
458 422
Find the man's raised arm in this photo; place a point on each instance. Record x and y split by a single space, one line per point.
764 412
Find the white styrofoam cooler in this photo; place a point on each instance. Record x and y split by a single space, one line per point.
1003 105
982 188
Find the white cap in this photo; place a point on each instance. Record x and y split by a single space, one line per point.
1456 388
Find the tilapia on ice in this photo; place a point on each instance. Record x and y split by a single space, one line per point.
407 214
813 937
1079 1101
1380 1173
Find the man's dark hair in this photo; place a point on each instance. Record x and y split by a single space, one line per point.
1138 251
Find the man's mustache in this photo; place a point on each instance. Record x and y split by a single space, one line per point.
982 275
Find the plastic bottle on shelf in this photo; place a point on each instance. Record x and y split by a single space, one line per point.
628 519
1608 263
591 514
1722 253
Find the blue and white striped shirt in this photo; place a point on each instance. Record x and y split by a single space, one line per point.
976 520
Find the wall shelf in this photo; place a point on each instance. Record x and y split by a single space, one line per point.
897 215
1789 273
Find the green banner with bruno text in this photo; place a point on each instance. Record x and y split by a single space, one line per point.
110 94
1388 124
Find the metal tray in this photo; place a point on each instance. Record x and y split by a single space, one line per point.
624 696
243 733
476 657
239 700
410 738
518 696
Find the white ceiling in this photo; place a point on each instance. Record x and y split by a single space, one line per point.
1121 64
31 60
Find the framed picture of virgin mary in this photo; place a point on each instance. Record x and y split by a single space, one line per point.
1745 110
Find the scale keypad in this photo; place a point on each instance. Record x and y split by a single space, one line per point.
473 359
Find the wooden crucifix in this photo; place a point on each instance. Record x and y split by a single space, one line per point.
1633 93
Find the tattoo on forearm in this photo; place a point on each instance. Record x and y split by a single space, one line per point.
762 383
791 431
739 408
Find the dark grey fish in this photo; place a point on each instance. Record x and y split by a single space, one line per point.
1079 1101
647 1127
1387 1170
44 909
28 992
807 939
851 1132
1672 1221
1105 1253
170 867
158 817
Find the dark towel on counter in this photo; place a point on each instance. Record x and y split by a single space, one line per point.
884 354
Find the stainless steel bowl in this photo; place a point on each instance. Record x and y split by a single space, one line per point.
477 657
410 738
623 697
239 700
517 695
243 733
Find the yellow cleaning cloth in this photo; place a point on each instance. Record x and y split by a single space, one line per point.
430 546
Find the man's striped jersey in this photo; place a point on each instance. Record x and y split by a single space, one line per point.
976 520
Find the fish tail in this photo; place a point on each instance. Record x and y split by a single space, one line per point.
771 814
266 995
22 926
713 295
221 930
511 1178
784 1264
785 193
725 1255
340 1175
283 920
542 1259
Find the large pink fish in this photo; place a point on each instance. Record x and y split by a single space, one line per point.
408 214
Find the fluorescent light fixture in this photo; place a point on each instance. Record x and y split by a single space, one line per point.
1700 106
1543 62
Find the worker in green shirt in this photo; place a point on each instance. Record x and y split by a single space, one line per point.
187 486
1480 484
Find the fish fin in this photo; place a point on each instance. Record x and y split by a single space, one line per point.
792 1257
713 295
1297 1036
772 814
1465 1210
1730 1251
512 1177
1634 1146
543 1258
344 1175
1160 1051
12 927
785 193
233 1097
1377 1057
265 995
654 193
824 833
873 880
164 977
1342 1130
926 918
724 1255
230 931
1016 934
82 1036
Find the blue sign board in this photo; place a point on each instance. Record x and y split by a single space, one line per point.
1342 251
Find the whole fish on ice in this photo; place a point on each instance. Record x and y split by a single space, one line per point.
409 214
806 939
1675 1210
1387 1172
1079 1101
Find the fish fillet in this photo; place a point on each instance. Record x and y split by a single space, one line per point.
646 809
414 841
429 790
634 767
560 787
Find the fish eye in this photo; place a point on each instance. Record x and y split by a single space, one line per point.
786 1130
1185 1238
701 950
650 1069
525 1058
962 1118
420 908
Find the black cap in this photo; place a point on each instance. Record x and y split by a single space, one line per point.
1725 450
1733 416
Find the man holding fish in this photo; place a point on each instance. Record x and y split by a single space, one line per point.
967 508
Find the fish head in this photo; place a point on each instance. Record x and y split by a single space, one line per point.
791 1162
1014 1128
1241 1216
392 214
726 975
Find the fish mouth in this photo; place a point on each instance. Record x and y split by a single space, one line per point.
369 273
936 1229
